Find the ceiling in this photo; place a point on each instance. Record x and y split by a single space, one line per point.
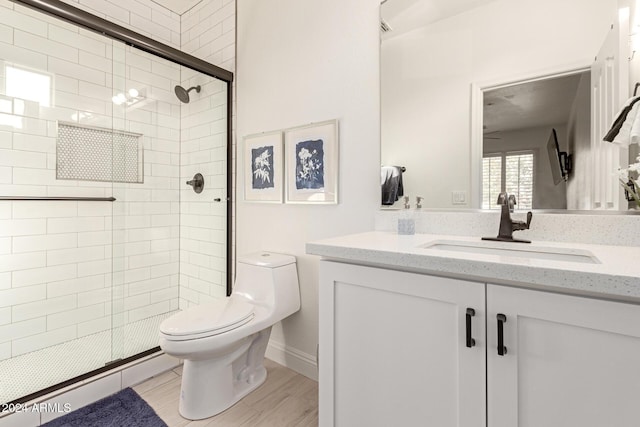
177 6
533 104
407 15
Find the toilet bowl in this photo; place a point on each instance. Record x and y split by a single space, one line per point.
223 342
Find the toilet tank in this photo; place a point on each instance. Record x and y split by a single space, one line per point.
269 279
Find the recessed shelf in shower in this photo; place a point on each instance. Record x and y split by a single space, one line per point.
91 153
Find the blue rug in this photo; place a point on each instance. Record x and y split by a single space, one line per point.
125 408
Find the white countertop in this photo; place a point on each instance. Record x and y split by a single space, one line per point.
616 276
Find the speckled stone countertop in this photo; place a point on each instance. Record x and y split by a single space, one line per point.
615 276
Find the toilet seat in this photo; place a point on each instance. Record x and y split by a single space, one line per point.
206 320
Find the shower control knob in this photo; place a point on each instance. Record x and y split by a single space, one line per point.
197 183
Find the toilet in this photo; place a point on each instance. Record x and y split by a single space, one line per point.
223 343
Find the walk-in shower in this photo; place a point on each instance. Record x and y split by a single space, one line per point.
100 239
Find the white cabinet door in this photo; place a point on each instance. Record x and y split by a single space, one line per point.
569 361
393 349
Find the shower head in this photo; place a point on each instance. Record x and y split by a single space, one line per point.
183 94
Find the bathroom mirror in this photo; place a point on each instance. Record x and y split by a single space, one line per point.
442 62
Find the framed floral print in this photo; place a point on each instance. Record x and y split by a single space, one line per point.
263 167
311 163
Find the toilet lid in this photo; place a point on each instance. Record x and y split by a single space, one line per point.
208 319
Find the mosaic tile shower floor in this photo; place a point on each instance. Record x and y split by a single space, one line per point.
30 372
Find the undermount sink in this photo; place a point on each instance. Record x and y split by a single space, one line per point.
519 250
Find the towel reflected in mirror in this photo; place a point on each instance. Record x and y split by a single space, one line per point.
391 184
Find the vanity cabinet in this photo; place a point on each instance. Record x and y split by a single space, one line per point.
394 351
570 361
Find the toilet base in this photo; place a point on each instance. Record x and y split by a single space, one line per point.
210 386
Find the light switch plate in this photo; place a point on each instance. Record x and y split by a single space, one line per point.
459 197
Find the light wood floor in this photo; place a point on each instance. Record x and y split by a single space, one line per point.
285 399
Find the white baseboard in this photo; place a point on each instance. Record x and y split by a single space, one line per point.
302 363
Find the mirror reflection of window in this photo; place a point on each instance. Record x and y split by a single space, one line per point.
511 172
491 180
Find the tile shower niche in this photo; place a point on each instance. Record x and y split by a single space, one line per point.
95 154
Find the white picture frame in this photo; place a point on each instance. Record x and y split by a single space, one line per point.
263 167
311 163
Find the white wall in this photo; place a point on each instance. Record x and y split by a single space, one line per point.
303 61
427 75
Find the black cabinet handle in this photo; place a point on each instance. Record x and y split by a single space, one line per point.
470 313
502 319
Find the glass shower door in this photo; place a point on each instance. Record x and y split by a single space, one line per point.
170 238
146 216
55 212
104 136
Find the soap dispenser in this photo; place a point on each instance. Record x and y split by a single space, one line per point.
406 222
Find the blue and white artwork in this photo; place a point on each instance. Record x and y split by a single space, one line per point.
310 165
262 168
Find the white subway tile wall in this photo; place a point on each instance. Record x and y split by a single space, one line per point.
202 220
142 16
208 32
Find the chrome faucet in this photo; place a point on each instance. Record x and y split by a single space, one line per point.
507 225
